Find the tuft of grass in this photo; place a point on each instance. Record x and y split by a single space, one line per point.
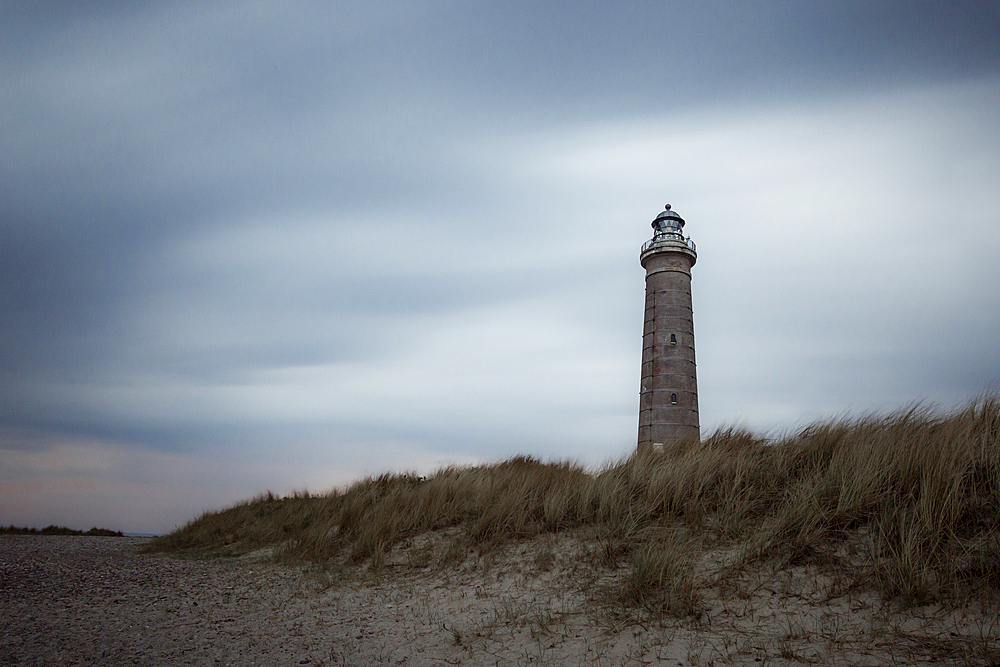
919 491
662 577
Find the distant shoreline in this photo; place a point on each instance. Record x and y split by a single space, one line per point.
62 530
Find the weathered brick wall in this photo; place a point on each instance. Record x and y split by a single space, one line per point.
668 397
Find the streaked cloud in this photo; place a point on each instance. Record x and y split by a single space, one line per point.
282 247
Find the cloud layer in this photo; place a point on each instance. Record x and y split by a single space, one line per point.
280 247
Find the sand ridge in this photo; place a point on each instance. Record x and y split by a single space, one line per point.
96 601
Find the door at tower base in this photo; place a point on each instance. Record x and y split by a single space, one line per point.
668 396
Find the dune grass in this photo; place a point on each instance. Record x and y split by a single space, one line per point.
914 494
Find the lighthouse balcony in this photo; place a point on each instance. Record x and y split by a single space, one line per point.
668 239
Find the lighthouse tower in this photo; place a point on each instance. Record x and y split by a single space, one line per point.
668 399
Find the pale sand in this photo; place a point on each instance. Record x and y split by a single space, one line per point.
94 601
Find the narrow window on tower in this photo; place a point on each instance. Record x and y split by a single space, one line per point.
673 339
673 399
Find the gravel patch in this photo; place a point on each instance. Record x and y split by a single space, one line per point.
95 601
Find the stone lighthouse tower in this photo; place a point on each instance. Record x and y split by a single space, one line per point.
668 398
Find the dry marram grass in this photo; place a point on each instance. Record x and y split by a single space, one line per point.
905 505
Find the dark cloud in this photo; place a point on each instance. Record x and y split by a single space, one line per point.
409 230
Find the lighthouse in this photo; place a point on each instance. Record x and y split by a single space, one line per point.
668 397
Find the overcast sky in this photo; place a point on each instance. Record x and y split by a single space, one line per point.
282 245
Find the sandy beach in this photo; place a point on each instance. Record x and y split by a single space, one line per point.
96 601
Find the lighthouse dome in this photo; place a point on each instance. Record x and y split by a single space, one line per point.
668 220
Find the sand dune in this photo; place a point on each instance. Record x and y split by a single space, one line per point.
90 600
